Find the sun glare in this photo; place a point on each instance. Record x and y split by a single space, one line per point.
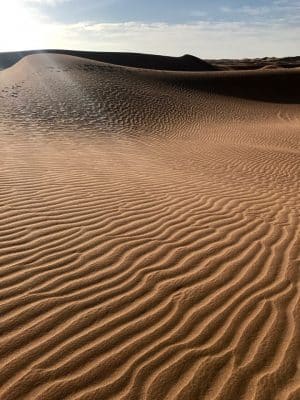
20 27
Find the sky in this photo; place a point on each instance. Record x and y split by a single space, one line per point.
207 29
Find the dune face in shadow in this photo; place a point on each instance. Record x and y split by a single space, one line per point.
186 62
149 238
135 60
257 63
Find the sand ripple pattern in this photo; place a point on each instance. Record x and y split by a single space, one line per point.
149 237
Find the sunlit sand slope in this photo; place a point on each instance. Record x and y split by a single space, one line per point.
149 237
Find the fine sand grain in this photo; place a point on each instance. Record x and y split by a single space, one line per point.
149 236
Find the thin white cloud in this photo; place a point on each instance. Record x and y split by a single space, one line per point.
255 11
288 7
206 39
226 9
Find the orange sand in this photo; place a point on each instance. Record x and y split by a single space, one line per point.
149 237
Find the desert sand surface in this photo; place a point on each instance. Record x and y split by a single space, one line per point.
149 236
186 62
256 63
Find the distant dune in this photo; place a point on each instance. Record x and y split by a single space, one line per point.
157 62
256 63
136 60
149 237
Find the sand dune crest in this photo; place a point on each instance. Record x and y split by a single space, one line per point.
149 243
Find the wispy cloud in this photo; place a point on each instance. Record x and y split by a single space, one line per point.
277 35
285 8
255 11
204 39
44 2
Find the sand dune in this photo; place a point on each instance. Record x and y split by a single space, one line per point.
149 238
256 63
135 60
186 62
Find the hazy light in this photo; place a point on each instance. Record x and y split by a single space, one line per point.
24 26
20 27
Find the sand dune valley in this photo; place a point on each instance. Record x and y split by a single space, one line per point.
149 236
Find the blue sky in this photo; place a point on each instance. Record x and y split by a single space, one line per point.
208 29
169 11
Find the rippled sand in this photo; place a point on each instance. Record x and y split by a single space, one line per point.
149 237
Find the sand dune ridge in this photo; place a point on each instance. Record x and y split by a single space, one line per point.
149 244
